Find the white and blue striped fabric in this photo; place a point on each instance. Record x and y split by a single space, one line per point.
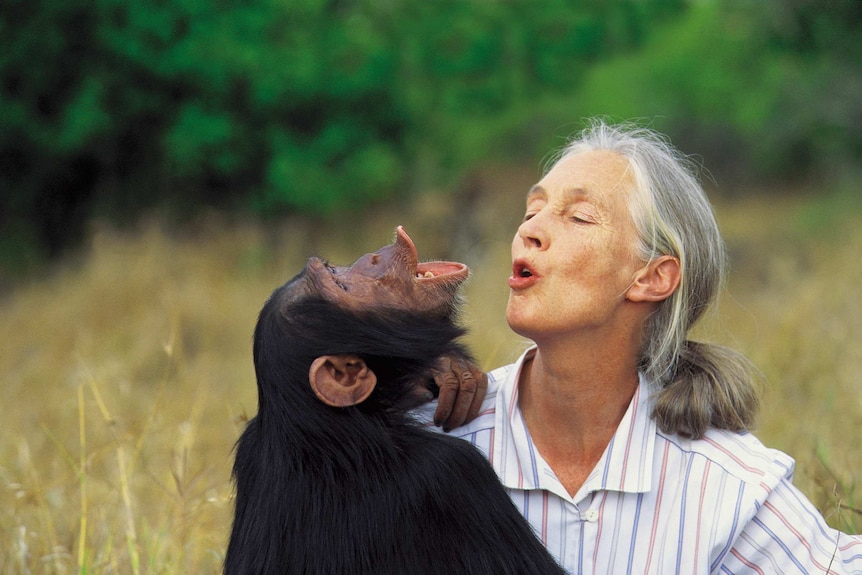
658 503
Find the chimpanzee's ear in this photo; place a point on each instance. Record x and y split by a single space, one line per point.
341 380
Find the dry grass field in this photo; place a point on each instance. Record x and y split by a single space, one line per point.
127 376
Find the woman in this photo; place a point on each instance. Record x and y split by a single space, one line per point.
623 443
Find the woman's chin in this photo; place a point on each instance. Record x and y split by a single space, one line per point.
519 324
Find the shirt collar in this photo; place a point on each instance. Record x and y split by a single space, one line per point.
626 464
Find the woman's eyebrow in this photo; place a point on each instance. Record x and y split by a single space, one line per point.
536 192
573 194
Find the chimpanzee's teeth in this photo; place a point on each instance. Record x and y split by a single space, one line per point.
425 275
525 273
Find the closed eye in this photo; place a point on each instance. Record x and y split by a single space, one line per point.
583 213
335 277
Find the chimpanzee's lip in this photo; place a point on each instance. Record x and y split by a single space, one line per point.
433 270
439 270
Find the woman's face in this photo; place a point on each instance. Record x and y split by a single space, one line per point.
574 256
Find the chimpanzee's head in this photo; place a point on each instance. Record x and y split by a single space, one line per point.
377 326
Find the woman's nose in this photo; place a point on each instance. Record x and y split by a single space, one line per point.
532 232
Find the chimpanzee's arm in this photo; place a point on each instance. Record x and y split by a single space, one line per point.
462 386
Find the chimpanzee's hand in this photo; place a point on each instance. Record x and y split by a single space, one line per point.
462 388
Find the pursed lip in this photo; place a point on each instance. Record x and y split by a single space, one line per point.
523 275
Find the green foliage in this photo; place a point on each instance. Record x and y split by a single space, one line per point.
767 90
109 107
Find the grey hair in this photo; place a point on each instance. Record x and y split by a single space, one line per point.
700 385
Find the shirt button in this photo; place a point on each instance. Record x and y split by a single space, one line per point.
591 515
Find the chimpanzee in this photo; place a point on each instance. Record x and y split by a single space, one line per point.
332 474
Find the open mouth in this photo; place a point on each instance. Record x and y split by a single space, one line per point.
522 271
522 275
431 270
434 270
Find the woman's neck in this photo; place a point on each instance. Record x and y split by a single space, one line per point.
573 399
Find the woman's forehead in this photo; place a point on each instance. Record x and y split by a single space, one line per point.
595 176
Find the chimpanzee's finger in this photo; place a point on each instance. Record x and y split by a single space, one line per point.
468 386
447 383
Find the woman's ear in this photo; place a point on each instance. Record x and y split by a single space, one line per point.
341 380
656 281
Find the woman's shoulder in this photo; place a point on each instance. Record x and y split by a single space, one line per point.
740 455
496 377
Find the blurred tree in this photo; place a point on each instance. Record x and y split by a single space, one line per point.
816 120
109 107
760 90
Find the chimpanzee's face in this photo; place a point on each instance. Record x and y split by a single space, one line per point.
391 277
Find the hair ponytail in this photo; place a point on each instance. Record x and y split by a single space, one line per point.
712 387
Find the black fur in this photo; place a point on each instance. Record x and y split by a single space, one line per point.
363 489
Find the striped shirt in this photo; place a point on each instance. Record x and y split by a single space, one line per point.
659 503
